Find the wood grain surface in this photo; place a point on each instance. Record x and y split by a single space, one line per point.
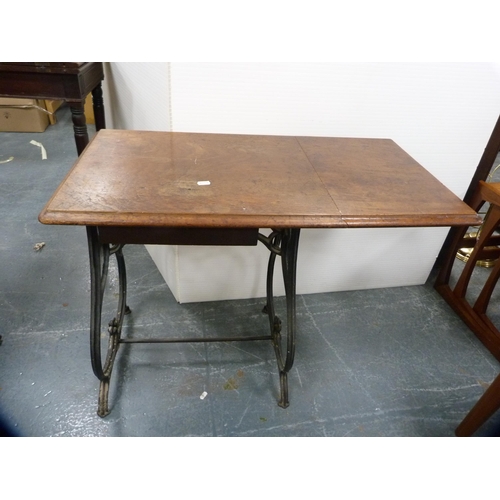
176 179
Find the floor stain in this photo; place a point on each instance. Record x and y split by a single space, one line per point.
232 382
191 384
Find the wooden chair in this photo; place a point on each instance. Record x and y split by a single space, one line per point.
475 315
485 246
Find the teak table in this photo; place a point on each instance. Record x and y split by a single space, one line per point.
170 188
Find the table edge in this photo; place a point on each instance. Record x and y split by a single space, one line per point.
257 221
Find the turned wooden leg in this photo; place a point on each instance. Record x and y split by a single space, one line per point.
79 125
98 104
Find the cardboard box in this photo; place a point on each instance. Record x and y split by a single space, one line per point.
23 115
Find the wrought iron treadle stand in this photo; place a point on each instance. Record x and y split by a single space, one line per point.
282 242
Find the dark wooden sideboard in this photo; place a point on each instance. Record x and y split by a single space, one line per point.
67 81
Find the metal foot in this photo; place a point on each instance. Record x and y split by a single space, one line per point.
102 403
283 401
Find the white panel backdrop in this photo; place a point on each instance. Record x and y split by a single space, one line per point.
137 96
440 113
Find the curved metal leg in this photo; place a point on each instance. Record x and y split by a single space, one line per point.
99 262
284 243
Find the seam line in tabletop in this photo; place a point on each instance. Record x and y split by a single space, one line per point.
321 180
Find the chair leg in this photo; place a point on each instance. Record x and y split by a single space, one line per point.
487 405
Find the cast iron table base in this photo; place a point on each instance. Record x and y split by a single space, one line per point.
283 243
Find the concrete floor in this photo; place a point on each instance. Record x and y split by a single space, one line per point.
387 362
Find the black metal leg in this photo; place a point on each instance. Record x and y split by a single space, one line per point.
284 243
99 262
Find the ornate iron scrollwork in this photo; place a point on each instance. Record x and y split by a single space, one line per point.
283 243
99 262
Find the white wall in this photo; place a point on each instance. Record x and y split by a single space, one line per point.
137 96
440 113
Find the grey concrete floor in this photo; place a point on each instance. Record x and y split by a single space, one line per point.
386 362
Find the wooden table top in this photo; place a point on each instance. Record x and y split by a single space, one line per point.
176 179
